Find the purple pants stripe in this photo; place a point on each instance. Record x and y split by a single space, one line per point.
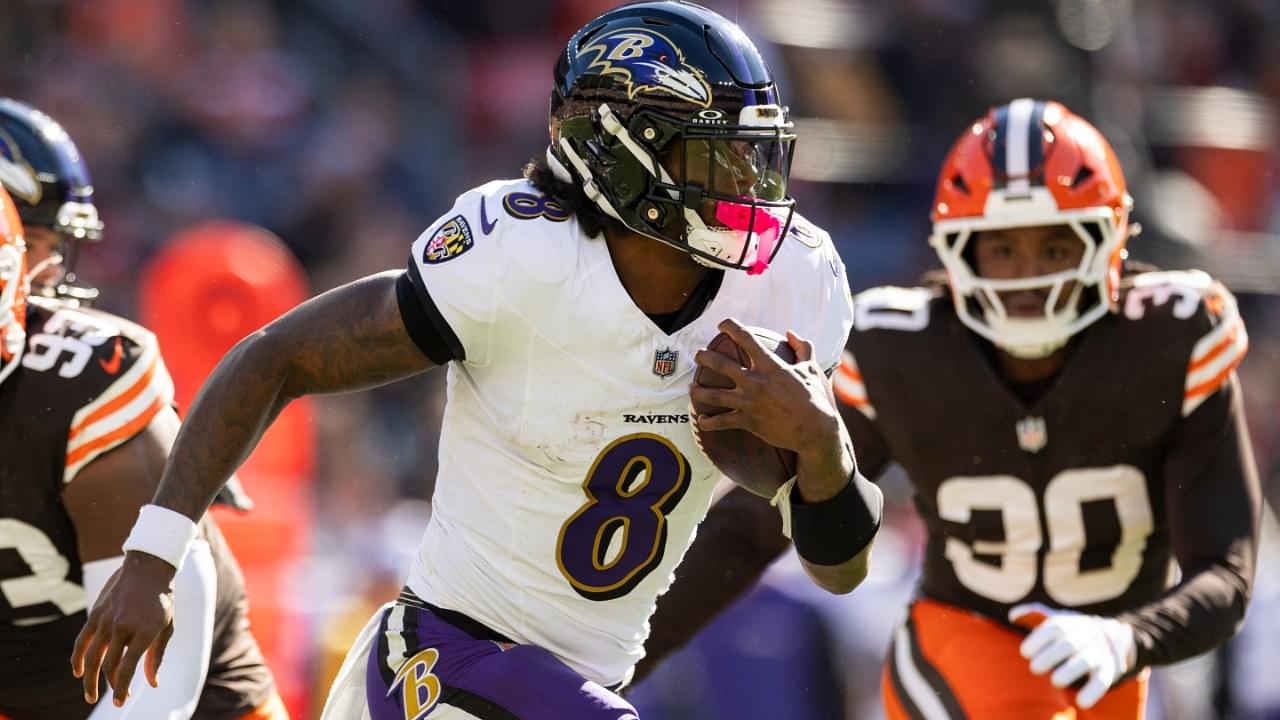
421 662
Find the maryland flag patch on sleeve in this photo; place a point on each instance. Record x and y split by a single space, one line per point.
452 239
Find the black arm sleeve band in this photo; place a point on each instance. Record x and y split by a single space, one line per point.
833 531
427 327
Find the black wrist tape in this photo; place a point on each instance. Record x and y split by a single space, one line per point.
833 531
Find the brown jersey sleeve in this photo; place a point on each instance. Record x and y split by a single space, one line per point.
1212 501
1212 504
102 371
869 446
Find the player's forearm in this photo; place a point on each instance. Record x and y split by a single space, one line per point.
1213 506
834 537
234 408
1197 615
836 516
825 470
842 578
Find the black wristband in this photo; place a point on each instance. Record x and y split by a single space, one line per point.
833 531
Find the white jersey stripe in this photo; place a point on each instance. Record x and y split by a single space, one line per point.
397 650
1207 344
1205 380
1215 355
150 352
1016 156
154 390
89 435
917 688
849 387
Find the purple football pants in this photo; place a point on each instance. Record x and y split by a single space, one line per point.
420 664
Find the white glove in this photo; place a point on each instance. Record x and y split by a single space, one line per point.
1078 646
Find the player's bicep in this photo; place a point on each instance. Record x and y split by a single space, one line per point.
104 496
457 278
350 338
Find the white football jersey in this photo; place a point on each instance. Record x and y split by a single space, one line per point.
570 484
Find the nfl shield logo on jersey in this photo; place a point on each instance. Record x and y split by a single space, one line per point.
1032 435
664 362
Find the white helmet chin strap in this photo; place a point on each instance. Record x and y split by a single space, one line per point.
1010 330
1028 337
1033 352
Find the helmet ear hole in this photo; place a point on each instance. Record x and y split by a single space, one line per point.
1082 175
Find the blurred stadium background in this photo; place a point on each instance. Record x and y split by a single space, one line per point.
344 128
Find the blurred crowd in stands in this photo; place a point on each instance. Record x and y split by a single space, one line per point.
345 128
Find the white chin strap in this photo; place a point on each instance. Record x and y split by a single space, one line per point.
1039 333
1039 336
723 243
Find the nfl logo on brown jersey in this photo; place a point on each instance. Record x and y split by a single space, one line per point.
664 362
1032 434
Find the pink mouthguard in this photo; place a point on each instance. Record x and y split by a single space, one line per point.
767 227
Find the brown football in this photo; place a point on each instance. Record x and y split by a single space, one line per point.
741 456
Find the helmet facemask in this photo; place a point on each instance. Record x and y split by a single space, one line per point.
710 186
1074 298
45 174
1032 163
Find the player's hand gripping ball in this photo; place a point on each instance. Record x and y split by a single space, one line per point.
742 456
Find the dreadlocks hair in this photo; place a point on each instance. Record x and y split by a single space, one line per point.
571 197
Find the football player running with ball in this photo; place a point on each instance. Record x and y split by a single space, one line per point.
1071 428
87 421
569 307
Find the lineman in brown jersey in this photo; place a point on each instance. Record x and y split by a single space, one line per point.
1069 435
88 418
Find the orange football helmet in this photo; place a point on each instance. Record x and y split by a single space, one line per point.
1032 163
13 287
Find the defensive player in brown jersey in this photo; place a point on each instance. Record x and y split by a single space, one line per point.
87 423
1069 434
